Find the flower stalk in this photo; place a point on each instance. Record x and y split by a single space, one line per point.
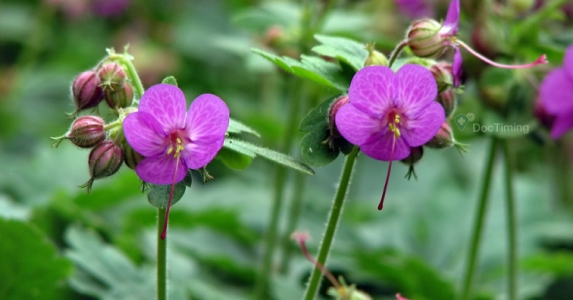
161 256
333 218
511 225
478 224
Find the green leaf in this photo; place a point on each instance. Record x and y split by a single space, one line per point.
254 150
343 49
158 195
233 159
310 67
170 80
31 267
238 127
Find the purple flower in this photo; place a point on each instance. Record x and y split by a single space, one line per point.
556 92
171 139
389 113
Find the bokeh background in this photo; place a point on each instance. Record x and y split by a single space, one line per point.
57 242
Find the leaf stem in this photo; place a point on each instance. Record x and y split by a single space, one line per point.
511 225
478 223
331 225
161 257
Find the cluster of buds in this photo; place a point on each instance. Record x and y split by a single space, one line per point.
109 149
107 81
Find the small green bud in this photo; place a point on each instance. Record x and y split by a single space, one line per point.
131 157
424 39
112 76
447 100
416 154
442 72
120 97
375 58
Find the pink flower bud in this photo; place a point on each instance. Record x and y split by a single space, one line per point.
104 160
443 139
425 40
121 97
442 72
86 90
86 131
447 99
416 154
112 76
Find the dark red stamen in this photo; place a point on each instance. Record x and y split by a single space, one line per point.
381 204
301 238
164 232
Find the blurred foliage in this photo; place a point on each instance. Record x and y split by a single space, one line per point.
60 243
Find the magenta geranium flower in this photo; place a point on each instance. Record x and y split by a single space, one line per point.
171 139
556 92
389 113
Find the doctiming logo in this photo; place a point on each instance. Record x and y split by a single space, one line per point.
462 122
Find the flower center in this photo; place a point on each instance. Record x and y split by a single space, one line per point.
393 124
176 145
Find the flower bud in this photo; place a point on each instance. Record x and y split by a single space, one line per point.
521 6
112 76
104 160
375 58
416 154
442 72
86 131
131 157
447 99
336 105
86 90
119 97
443 139
425 40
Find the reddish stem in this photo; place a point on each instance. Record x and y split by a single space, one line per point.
541 60
301 240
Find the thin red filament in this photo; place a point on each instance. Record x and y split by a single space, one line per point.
381 204
164 232
322 269
541 60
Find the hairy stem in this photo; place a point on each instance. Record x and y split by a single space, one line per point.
511 225
333 218
396 52
478 224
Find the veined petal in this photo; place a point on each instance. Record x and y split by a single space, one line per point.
457 67
198 155
161 169
416 89
372 90
356 126
453 17
563 123
568 62
556 92
381 149
425 126
207 119
166 103
144 134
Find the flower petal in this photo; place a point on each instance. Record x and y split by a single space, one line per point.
425 126
166 103
357 127
556 91
416 89
453 17
207 120
568 61
372 90
144 134
161 169
563 123
457 67
381 149
199 155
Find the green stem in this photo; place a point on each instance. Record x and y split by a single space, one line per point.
292 220
478 225
331 225
396 52
511 225
125 60
262 283
161 257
